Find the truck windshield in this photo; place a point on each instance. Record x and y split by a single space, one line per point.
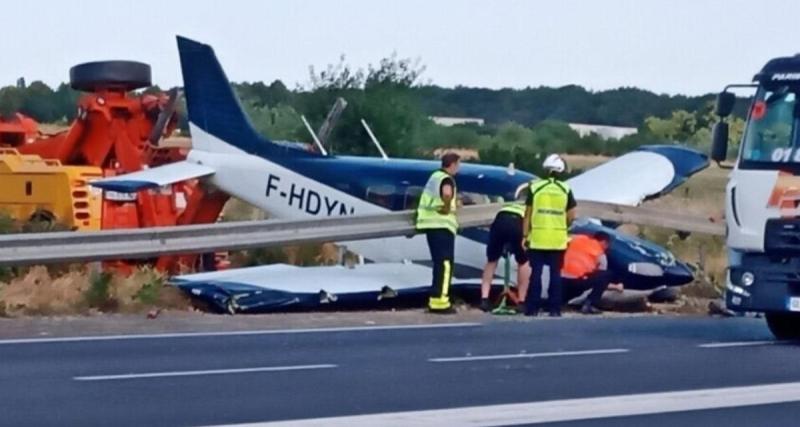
769 136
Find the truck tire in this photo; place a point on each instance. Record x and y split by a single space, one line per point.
785 326
41 220
43 216
93 76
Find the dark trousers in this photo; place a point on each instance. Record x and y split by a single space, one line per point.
538 259
598 282
441 243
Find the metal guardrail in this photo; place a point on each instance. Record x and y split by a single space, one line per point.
64 247
651 216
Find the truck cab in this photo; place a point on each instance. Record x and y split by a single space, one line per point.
762 203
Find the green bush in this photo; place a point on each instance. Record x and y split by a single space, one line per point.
98 295
150 291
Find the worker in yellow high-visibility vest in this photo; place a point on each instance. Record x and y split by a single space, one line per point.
549 212
506 234
436 217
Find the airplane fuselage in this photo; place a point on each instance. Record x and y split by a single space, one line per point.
286 194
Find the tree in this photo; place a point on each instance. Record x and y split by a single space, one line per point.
11 100
38 102
65 102
393 71
337 76
680 126
262 95
735 134
278 123
552 136
381 95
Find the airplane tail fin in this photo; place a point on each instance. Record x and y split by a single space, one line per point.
217 120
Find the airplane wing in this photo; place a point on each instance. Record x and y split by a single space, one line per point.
154 177
646 173
280 287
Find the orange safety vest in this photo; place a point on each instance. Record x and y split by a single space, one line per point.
582 256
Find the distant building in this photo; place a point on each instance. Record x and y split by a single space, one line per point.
605 132
452 121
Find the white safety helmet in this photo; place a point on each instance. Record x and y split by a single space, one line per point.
554 163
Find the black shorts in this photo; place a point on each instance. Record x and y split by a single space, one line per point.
506 234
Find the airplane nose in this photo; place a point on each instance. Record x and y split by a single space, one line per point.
678 274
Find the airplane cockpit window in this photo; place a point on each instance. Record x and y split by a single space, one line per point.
411 198
381 195
467 199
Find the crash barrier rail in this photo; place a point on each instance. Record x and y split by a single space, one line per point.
64 247
652 216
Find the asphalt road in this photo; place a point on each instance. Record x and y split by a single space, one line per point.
581 372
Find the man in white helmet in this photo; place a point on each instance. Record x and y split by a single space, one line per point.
549 212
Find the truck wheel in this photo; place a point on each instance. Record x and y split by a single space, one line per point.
39 221
93 76
43 216
785 326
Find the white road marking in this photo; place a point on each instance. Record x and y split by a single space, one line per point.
527 355
739 344
565 410
204 372
236 333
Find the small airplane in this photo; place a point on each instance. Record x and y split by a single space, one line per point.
288 181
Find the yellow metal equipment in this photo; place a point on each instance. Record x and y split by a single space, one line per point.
38 189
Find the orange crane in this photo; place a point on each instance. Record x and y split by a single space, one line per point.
119 132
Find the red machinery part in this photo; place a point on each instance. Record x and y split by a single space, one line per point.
111 131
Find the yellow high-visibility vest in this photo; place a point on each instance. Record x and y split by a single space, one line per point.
548 225
516 208
428 216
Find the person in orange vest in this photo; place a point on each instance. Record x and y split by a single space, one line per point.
586 267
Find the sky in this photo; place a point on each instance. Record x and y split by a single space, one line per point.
666 46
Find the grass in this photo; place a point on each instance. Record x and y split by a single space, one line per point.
583 161
308 254
239 210
84 292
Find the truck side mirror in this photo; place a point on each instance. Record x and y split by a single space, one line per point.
719 142
724 105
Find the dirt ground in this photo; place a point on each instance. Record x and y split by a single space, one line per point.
184 321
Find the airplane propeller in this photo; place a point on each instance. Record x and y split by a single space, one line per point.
164 117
